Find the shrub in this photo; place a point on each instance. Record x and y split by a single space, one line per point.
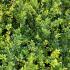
34 35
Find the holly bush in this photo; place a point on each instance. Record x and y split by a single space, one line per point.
34 34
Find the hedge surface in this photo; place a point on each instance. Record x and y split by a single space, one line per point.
34 34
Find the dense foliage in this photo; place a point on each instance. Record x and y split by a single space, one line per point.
34 34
